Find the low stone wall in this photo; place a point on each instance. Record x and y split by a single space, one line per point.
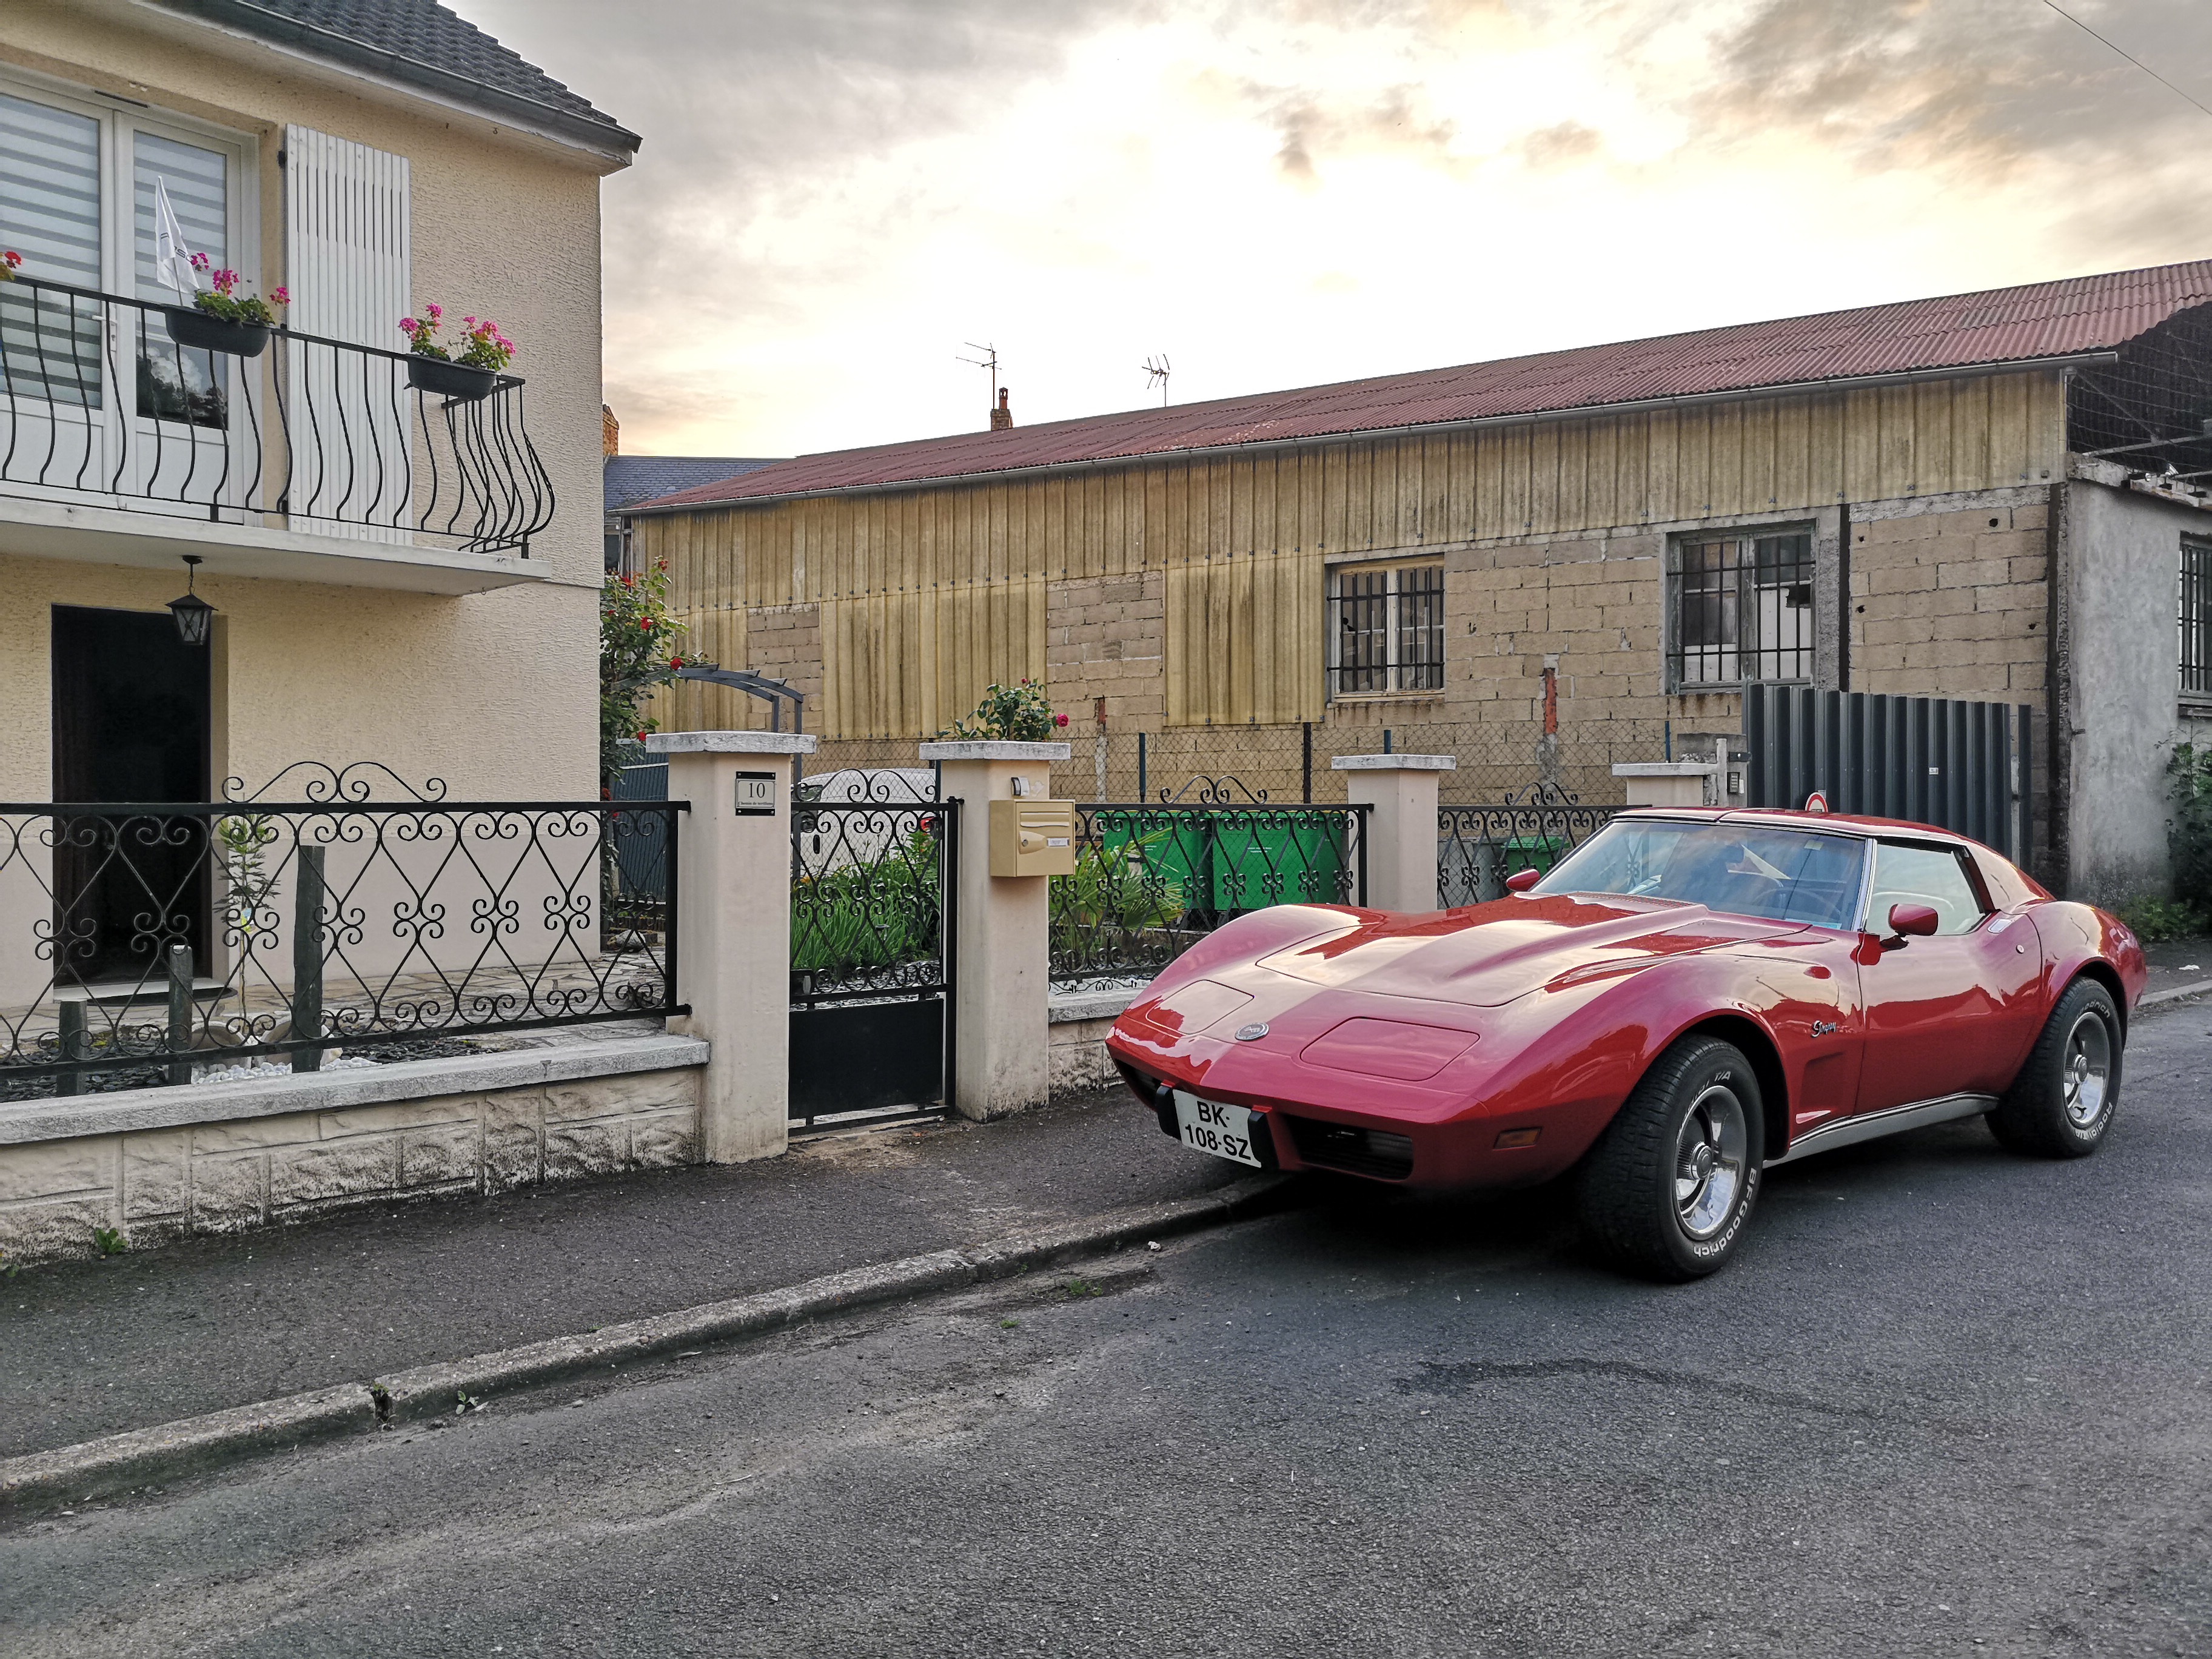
154 1163
1078 1028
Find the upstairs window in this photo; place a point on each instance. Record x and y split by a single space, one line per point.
2196 619
79 177
1386 630
1742 607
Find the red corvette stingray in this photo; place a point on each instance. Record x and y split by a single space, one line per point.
1688 999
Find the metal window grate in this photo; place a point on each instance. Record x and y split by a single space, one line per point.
2196 618
1386 631
1743 610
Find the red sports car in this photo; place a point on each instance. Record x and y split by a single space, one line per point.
1689 998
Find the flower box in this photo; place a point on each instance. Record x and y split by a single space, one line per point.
457 382
202 333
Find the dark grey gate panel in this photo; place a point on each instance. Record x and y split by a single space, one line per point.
873 925
1958 765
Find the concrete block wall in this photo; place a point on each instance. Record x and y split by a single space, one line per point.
1106 637
783 642
1948 597
232 1174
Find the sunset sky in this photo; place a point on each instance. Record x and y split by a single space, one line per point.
834 195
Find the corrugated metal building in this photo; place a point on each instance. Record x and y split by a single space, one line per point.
1546 564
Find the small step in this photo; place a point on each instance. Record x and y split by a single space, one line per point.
152 994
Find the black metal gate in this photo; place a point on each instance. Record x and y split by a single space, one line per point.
872 918
1958 765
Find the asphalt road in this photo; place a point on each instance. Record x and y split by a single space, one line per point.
1945 1401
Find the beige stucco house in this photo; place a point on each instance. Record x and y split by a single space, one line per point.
1545 567
398 575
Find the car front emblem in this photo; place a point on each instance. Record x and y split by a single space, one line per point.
1252 1033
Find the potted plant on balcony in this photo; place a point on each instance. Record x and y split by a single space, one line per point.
463 375
223 319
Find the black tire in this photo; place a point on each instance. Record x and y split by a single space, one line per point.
1644 1207
2050 1111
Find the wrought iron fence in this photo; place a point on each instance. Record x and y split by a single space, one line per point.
1151 879
867 899
160 408
141 944
1479 846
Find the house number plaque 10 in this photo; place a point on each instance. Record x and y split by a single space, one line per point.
755 795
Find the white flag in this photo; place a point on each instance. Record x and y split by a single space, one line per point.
173 258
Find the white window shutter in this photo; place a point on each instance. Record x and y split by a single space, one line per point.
347 248
346 238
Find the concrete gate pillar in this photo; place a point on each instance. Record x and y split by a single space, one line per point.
733 928
1401 830
1001 1029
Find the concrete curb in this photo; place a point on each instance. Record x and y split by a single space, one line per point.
2194 988
122 1463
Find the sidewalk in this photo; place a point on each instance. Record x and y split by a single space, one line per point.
93 1348
2178 962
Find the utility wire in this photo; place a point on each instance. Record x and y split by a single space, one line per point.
2129 56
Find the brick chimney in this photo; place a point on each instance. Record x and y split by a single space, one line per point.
609 432
1002 418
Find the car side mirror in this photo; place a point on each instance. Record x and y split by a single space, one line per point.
1521 880
1911 921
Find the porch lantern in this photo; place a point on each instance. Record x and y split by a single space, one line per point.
194 614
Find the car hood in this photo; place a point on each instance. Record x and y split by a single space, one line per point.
1486 955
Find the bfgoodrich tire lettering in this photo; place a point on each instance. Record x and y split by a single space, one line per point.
1668 1187
2063 1101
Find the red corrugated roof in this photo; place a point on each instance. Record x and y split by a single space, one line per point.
1960 331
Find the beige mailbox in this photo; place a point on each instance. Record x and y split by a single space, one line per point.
1032 838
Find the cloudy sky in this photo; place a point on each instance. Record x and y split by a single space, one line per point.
835 195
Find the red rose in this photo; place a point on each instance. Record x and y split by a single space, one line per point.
1060 720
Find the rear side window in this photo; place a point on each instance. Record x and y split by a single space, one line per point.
1934 876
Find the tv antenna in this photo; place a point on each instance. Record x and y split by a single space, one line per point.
1157 371
989 360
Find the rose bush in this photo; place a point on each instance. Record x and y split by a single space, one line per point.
638 653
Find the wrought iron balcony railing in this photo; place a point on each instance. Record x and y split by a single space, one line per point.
147 407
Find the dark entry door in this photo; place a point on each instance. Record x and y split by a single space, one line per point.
131 720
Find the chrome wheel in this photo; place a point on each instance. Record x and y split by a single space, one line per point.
2088 1074
1709 1156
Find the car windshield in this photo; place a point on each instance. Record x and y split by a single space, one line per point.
1746 870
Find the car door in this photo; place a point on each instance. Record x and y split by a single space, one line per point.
1950 1013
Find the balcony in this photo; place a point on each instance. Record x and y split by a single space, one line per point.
313 459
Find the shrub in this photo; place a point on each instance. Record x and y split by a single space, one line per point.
2154 919
2189 836
1017 714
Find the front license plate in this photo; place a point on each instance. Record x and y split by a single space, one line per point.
1208 1126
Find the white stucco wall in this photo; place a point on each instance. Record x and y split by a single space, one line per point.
493 692
2124 553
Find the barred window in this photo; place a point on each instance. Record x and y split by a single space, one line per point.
1386 630
2196 619
1743 610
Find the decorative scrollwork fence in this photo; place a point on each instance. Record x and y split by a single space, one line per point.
1479 846
141 944
1151 879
